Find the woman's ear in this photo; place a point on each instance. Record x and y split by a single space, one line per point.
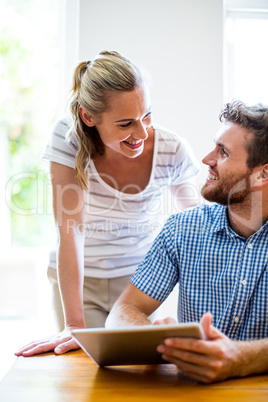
86 117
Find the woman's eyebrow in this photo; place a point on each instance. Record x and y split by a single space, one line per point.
121 120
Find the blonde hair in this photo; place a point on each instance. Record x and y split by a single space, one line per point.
93 82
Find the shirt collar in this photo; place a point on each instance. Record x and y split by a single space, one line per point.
220 219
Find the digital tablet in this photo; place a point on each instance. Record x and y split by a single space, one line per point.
131 345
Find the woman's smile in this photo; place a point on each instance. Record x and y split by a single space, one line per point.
133 144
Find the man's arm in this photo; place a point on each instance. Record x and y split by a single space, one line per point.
216 358
133 307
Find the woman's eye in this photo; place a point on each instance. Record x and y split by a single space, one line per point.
126 124
147 116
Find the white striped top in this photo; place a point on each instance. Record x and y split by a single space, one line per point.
119 227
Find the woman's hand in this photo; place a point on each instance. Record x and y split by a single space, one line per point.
59 343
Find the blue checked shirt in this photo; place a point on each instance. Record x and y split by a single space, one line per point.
217 270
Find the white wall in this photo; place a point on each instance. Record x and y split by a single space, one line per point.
180 43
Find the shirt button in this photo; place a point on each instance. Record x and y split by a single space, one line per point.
236 319
249 245
244 282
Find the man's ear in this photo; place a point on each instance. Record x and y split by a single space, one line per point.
262 176
265 171
86 117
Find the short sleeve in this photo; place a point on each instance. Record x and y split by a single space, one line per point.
60 149
176 162
157 275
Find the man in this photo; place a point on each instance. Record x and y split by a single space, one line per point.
218 252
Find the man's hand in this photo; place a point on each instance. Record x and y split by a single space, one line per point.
206 361
167 320
60 343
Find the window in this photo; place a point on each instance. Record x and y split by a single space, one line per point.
29 57
29 98
246 61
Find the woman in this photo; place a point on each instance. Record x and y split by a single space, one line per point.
108 180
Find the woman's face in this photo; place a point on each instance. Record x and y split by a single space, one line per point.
123 127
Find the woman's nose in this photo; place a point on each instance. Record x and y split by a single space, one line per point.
141 131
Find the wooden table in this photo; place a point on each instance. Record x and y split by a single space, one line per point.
74 377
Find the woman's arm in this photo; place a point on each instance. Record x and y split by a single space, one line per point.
68 206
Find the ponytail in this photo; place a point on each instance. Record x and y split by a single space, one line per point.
78 74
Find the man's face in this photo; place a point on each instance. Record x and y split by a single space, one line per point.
228 180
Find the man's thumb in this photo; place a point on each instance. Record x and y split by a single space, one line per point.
210 332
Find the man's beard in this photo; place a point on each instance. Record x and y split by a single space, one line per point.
233 189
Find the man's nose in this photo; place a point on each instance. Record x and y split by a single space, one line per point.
210 159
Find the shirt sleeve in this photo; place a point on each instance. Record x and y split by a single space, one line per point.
185 164
157 275
60 149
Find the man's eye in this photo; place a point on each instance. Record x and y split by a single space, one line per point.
223 152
